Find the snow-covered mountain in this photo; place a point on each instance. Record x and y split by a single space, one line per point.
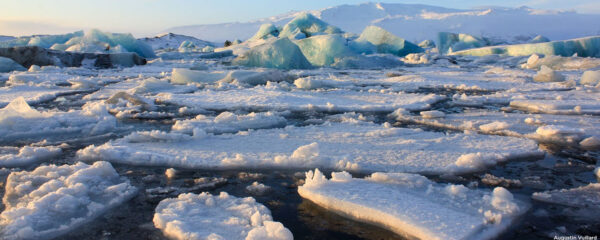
417 22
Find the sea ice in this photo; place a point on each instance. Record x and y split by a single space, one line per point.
26 155
362 146
53 200
19 122
204 216
546 74
265 98
413 206
584 196
228 122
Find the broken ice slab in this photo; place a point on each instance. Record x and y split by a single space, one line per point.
205 216
53 200
413 206
585 196
361 146
557 129
264 98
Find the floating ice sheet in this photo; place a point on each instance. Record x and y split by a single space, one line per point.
26 155
265 98
412 205
204 216
360 146
53 200
585 196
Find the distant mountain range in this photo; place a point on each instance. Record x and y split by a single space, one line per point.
417 22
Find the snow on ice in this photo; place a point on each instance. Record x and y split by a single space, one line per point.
204 216
359 146
412 205
53 200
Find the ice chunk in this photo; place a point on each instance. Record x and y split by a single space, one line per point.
185 76
204 216
427 44
583 47
356 146
27 155
265 31
18 121
385 42
187 46
281 53
432 114
452 42
170 173
561 63
262 98
53 200
413 206
585 196
306 25
228 122
258 188
324 50
8 65
256 77
539 39
546 74
590 78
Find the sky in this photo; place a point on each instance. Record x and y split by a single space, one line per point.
148 17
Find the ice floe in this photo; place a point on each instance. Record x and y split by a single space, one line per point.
413 206
21 122
584 196
228 122
53 200
359 146
265 98
26 155
204 216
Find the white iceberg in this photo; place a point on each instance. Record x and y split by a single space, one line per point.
204 216
324 50
413 206
53 200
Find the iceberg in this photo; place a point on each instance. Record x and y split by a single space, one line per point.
452 42
204 216
281 53
265 31
324 50
413 206
384 42
583 47
45 41
53 200
305 25
8 65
